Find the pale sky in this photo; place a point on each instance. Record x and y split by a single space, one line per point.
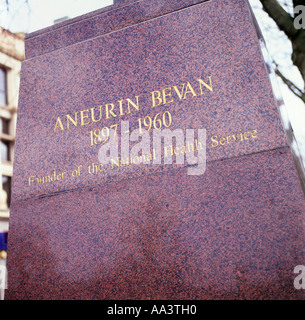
280 50
45 12
38 14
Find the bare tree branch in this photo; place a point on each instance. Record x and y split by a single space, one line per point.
285 23
297 91
282 18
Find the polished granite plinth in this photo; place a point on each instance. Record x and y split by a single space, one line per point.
79 230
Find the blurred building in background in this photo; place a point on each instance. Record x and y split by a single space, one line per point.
11 56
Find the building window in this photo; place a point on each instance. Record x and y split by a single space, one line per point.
3 100
6 185
5 142
4 125
5 150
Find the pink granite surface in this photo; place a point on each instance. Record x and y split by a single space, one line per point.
177 48
100 22
154 232
234 233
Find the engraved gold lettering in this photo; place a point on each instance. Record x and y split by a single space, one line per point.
189 89
247 137
190 147
154 98
179 93
165 151
58 124
113 162
201 82
222 141
165 95
70 119
135 105
160 97
93 168
109 111
121 107
92 114
236 137
253 134
32 180
84 116
198 145
215 141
